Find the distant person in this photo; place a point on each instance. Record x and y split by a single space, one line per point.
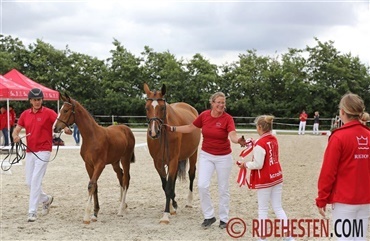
4 125
316 121
344 180
76 134
302 122
12 119
38 122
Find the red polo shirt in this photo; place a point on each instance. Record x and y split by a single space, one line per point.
39 128
215 132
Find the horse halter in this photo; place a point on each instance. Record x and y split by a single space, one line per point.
158 120
69 117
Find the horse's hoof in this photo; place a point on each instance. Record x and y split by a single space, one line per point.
94 219
164 222
173 212
188 206
86 222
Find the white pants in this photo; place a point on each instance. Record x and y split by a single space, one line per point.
207 165
35 171
343 213
315 128
302 127
273 195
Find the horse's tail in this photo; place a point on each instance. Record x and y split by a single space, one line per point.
181 170
133 157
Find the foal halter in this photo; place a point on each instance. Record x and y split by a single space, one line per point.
69 117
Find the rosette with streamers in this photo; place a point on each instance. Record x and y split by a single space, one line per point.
242 176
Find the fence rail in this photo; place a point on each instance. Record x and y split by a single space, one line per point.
282 123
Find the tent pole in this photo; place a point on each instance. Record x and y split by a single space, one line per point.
8 124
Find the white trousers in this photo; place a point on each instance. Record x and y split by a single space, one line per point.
315 129
344 217
302 127
207 165
271 195
35 171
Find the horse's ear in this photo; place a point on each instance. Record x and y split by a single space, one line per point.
163 90
146 89
62 97
67 98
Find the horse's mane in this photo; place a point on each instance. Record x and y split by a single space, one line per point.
80 105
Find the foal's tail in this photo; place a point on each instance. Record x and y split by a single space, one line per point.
132 157
181 170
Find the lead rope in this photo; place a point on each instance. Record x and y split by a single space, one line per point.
20 154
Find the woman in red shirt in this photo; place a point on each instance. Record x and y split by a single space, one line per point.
344 179
218 129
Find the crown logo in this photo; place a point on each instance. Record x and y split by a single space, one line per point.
362 141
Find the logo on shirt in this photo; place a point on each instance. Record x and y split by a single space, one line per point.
362 143
218 124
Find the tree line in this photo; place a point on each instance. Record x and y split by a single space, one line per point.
313 78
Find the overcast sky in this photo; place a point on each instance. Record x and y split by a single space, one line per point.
219 30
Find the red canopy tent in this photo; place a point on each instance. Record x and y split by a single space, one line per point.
10 90
15 86
17 77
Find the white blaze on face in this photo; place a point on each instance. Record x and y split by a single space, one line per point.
152 128
57 117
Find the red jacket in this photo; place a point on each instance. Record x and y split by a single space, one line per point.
265 167
3 120
345 172
303 117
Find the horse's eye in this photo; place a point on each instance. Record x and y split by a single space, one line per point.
146 108
65 111
162 108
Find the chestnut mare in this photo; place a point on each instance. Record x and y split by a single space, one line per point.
101 146
171 149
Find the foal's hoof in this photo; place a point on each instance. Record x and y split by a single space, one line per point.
94 218
86 222
173 212
164 221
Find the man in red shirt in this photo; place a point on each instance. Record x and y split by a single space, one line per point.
302 123
38 122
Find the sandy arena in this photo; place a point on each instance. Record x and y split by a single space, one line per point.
66 179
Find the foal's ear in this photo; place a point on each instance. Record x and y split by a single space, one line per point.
62 97
163 90
67 98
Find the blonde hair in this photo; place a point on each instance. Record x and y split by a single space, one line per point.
365 117
265 122
215 96
352 105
